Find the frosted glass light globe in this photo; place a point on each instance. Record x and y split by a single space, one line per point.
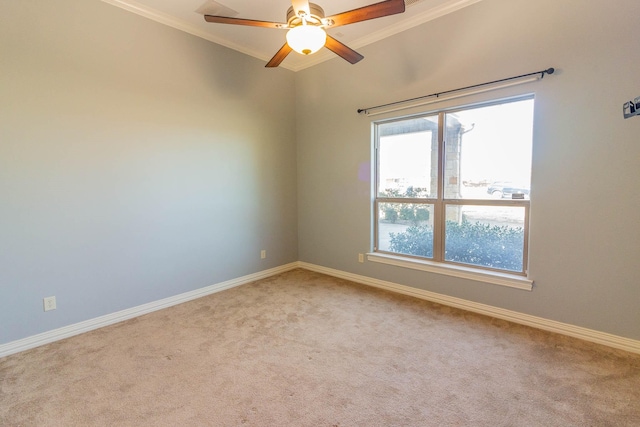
306 39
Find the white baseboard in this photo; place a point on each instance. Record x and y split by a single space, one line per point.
109 319
603 338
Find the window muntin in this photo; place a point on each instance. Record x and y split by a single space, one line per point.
446 194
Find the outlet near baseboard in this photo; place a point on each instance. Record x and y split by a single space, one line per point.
49 303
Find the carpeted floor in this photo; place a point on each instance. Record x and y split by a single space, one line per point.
304 349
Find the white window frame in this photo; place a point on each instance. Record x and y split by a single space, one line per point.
438 264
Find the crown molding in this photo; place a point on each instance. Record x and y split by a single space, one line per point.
171 21
179 24
421 18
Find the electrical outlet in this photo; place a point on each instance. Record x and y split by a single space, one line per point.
360 257
49 303
263 254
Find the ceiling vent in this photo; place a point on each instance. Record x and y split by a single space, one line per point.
211 7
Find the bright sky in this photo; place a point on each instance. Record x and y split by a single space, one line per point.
498 148
396 163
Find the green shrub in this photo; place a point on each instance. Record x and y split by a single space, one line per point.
404 211
416 192
478 244
391 215
422 214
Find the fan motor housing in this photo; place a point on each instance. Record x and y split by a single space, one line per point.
316 16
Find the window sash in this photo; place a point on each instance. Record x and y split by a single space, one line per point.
440 204
439 242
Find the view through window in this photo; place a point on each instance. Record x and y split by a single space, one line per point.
454 186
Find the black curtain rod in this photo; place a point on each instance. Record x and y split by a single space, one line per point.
542 73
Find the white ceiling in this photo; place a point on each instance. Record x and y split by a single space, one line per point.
263 43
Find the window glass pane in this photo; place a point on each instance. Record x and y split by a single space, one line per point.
488 236
406 228
408 158
488 152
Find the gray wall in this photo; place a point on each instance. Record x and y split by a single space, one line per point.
585 236
136 162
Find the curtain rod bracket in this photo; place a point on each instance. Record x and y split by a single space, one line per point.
547 71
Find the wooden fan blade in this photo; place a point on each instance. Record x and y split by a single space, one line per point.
279 56
239 21
377 10
301 6
342 50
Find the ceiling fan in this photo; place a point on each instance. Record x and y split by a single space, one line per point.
306 24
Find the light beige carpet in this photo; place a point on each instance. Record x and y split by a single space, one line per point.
304 349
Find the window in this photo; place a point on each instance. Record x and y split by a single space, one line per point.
453 187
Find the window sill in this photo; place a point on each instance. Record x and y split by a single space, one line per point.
493 277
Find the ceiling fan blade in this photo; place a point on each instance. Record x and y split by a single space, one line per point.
301 6
239 21
342 50
279 56
377 10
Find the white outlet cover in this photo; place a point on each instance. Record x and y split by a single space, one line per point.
49 303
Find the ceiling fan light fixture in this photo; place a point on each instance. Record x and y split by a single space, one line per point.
306 39
306 23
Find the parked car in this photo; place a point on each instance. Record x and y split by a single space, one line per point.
508 190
